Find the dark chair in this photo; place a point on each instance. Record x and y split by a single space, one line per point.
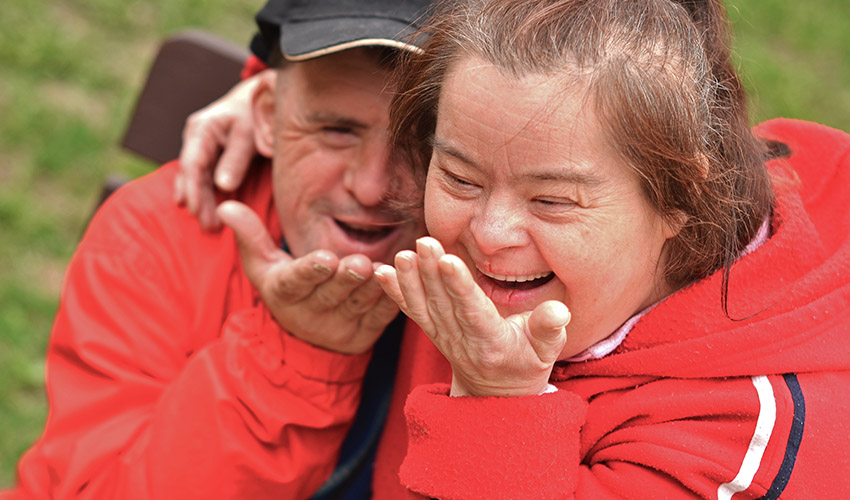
191 69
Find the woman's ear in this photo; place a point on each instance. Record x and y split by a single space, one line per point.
263 108
674 224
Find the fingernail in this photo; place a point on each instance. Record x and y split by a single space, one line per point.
448 267
321 268
403 262
224 181
354 274
424 248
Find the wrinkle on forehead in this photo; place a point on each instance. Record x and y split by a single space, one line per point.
554 106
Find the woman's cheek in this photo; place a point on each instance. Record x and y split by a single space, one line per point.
442 214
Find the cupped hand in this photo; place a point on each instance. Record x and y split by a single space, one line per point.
330 302
218 146
490 355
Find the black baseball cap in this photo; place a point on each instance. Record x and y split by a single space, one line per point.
305 29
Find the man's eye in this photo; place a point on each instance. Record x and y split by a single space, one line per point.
339 137
338 130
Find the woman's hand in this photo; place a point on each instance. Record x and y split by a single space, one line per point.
218 146
490 355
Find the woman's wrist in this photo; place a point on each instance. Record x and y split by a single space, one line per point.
458 389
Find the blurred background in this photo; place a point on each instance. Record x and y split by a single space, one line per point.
69 75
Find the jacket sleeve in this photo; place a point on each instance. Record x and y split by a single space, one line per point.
469 447
151 397
676 439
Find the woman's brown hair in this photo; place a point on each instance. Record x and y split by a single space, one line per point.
662 84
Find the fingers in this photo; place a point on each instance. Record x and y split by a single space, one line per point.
546 327
474 312
381 308
388 280
324 284
238 141
318 282
354 292
292 281
200 150
258 250
218 146
410 285
194 188
348 299
236 158
206 205
430 251
179 189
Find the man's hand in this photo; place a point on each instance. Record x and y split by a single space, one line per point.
326 301
218 146
490 355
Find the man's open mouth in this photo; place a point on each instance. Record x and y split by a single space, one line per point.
366 233
519 282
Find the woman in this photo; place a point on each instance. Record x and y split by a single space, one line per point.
609 249
569 156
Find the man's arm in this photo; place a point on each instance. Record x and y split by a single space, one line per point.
154 394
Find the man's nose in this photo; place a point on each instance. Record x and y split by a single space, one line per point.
368 178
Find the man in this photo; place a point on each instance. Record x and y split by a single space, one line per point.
177 368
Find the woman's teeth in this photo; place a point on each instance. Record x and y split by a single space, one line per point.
516 278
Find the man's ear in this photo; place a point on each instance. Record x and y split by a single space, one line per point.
263 108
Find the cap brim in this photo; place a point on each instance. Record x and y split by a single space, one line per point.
301 40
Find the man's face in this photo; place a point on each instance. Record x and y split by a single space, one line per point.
331 165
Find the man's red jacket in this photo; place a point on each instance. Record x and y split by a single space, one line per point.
166 376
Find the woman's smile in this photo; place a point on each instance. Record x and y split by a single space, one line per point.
524 189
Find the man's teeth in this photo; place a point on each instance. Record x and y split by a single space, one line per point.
517 279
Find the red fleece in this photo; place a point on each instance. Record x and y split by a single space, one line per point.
692 404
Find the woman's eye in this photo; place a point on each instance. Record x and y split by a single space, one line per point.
555 203
460 181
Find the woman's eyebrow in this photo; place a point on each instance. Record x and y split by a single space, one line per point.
564 174
446 149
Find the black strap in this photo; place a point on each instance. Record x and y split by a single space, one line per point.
352 478
795 437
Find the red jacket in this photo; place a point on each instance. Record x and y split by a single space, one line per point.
168 379
692 404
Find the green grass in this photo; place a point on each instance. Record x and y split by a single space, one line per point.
69 73
794 57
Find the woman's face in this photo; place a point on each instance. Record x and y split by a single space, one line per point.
522 187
